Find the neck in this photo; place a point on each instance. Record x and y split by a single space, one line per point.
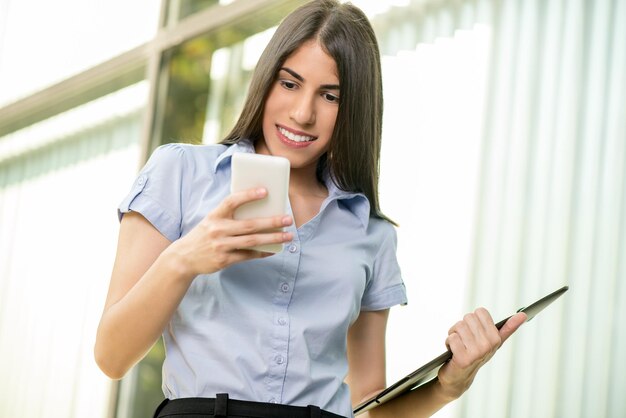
303 181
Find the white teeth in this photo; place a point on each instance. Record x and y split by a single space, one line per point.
294 137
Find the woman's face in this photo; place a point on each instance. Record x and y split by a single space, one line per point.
301 108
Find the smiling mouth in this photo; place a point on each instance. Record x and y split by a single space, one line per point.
295 137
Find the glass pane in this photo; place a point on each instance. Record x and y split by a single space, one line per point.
180 9
192 79
68 36
230 75
56 178
181 112
140 393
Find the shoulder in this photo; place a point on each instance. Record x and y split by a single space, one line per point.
381 230
188 154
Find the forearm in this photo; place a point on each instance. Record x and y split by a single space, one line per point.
422 402
130 326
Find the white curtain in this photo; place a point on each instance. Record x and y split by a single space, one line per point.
58 230
504 162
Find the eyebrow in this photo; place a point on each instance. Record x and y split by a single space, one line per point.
300 78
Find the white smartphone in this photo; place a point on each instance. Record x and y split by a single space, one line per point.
258 170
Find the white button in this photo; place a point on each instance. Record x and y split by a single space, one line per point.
272 400
282 321
293 248
140 180
280 359
284 287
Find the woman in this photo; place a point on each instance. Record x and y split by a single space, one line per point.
300 333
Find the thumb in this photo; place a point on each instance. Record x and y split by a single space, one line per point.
511 325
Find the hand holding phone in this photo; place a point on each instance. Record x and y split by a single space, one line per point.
270 172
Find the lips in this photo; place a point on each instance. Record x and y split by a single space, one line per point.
293 138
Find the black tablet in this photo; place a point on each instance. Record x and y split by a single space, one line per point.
429 371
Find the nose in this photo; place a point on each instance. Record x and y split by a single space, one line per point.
303 109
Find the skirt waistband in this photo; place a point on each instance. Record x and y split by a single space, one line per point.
223 407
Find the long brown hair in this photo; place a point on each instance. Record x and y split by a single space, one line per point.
346 34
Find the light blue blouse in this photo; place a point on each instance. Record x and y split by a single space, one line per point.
274 329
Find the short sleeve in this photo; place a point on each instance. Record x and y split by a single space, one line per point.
386 287
157 190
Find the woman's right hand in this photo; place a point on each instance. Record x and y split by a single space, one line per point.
219 240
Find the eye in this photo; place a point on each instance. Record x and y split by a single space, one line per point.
288 84
331 98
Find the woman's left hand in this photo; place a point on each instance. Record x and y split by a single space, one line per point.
473 341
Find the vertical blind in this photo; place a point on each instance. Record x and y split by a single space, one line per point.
531 96
553 208
58 230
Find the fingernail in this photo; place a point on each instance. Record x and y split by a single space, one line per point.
287 220
261 191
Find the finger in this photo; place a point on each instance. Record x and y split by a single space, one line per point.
475 325
252 226
463 331
460 355
254 240
512 325
490 331
479 335
483 336
453 328
238 256
485 317
454 343
234 200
